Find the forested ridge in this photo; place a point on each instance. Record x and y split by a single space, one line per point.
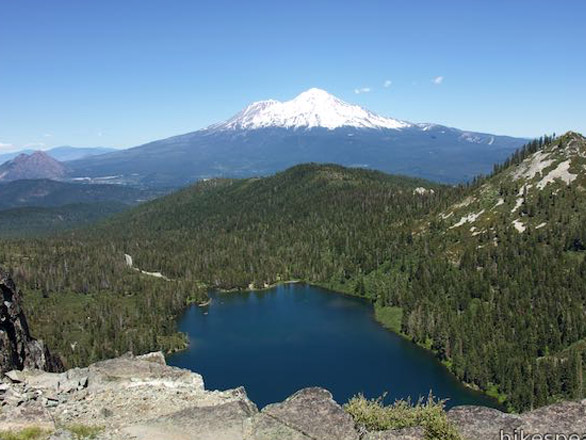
311 222
496 282
490 276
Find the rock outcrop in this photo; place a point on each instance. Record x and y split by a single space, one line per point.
141 398
18 349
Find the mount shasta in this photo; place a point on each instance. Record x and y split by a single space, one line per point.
268 136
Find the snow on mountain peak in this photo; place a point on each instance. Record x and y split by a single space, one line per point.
312 108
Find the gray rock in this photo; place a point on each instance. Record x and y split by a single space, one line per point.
314 413
264 427
565 417
397 434
29 414
228 422
62 434
18 349
14 375
155 356
140 397
128 369
480 423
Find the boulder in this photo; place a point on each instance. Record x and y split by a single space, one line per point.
480 423
28 414
314 413
62 434
264 427
130 371
564 417
227 421
397 434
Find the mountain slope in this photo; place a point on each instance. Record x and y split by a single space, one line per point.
61 153
494 283
524 194
41 206
35 221
37 165
66 152
270 136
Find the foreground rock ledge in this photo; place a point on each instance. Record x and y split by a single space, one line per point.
140 397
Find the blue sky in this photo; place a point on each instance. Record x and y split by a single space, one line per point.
120 73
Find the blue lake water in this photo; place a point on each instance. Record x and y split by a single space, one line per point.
293 336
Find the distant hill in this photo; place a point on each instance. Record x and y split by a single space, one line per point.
33 221
270 136
42 206
66 153
50 193
61 154
37 165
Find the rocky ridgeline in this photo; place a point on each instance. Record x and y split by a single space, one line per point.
140 397
17 348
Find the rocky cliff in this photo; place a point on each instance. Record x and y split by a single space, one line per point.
140 397
18 349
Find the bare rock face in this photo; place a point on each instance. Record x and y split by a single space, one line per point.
563 419
476 422
18 349
397 434
142 398
313 412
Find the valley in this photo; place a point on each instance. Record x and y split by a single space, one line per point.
292 220
36 207
447 267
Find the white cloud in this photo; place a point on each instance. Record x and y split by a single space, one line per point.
47 135
362 90
438 80
6 147
35 145
10 148
387 83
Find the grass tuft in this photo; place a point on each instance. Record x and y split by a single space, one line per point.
25 434
430 414
84 431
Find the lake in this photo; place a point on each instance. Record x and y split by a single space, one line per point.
277 341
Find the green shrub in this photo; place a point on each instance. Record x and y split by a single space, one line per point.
84 431
24 434
373 415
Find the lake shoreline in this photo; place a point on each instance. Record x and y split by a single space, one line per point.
375 315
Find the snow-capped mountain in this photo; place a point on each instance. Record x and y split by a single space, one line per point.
312 108
269 136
